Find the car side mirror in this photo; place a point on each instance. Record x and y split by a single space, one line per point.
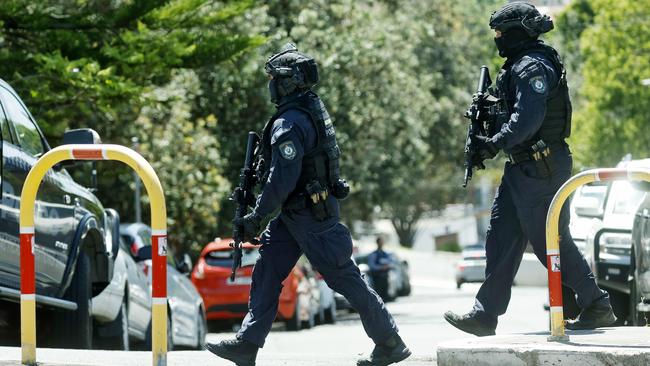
144 253
86 136
185 265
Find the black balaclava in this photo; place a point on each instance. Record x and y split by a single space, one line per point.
513 41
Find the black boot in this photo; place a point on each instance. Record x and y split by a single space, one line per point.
392 351
470 323
239 351
597 315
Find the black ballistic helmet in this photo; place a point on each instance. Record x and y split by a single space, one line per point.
521 15
291 72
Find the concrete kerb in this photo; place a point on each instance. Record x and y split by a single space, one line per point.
629 346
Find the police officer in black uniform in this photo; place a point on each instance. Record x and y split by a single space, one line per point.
300 168
534 98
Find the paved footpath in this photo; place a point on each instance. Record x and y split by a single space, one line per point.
628 346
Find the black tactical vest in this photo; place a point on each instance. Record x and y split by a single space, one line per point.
320 164
557 122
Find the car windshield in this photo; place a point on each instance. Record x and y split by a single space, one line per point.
625 198
361 259
474 252
592 195
223 258
473 248
145 236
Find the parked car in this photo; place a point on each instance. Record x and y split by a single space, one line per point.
226 300
327 302
640 284
609 243
471 268
308 304
187 319
125 304
403 275
75 254
586 209
394 275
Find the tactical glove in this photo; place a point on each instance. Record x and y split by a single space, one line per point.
486 148
341 189
250 225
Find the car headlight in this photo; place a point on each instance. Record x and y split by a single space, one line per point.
615 243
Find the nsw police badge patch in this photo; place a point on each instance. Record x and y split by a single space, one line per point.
539 84
287 150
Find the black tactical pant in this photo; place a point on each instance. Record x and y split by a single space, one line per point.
328 246
518 217
380 283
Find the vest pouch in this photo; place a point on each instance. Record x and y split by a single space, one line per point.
541 154
318 202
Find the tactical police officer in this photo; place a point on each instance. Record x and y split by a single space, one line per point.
300 166
533 93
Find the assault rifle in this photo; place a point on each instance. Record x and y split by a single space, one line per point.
481 118
244 198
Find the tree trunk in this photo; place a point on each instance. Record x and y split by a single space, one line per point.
404 223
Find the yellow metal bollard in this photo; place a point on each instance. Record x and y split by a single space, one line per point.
553 237
159 241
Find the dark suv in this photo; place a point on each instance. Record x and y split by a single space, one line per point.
74 258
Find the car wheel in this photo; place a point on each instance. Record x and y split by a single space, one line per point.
120 341
330 314
405 290
202 331
320 317
170 333
147 345
77 330
636 318
458 284
294 323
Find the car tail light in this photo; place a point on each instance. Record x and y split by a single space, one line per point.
200 270
134 248
461 266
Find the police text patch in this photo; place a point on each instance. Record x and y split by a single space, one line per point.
539 84
288 150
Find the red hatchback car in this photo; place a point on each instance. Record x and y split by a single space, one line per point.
228 300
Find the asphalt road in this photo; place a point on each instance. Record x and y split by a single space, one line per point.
418 316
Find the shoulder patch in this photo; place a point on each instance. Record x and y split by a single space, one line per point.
287 150
538 84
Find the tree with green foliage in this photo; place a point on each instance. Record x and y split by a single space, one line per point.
109 65
395 79
611 118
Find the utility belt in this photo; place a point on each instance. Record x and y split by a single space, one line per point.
538 151
313 196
